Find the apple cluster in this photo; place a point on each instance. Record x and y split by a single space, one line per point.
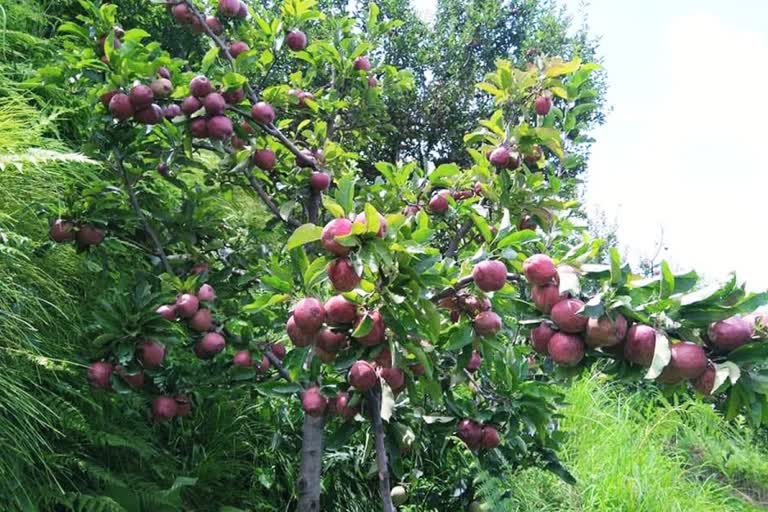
568 332
83 234
476 435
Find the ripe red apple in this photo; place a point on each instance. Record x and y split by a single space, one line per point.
340 311
566 349
705 382
640 344
334 228
296 40
313 402
229 8
171 111
99 374
383 359
134 380
263 113
167 311
297 336
182 13
199 127
487 323
206 293
234 96
730 333
120 107
372 81
470 432
309 315
342 408
542 105
565 316
200 268
62 231
200 86
89 235
474 362
141 96
473 306
183 405
540 337
214 24
688 361
539 269
107 97
417 369
152 114
377 333
534 155
490 438
490 275
243 11
439 203
163 72
278 350
604 332
219 127
342 275
187 305
202 321
362 64
411 210
544 297
306 158
325 356
264 159
211 344
527 222
164 408
161 87
237 48
362 375
190 105
382 232
331 341
320 181
500 157
151 354
242 358
214 104
394 377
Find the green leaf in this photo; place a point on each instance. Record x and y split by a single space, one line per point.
661 357
372 221
460 337
364 327
482 225
210 57
304 234
387 401
563 68
667 280
615 266
332 206
517 238
444 171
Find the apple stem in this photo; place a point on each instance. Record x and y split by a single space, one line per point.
374 403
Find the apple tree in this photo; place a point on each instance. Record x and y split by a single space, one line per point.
445 300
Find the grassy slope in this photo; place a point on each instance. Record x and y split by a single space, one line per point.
641 453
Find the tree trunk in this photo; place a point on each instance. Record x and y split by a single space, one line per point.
311 463
374 402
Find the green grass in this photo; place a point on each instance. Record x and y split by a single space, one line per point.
638 452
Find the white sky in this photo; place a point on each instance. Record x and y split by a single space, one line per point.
682 149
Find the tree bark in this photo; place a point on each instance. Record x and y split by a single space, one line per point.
374 402
311 463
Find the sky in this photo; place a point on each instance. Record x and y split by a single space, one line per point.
681 152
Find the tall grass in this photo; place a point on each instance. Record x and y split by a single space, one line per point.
635 452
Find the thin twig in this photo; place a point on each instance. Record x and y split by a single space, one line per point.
463 283
140 214
256 186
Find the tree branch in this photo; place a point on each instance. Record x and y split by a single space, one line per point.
140 214
256 186
463 283
311 463
374 403
453 246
